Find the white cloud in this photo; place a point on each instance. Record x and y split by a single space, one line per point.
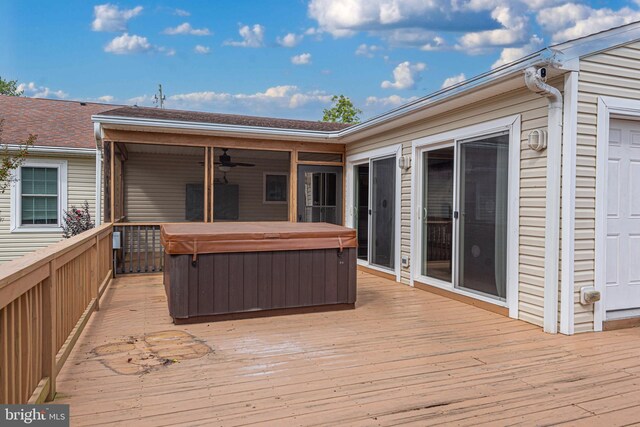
34 91
571 20
284 97
186 28
389 101
109 17
510 54
181 12
290 40
203 50
106 98
437 43
127 44
514 30
405 76
302 59
251 37
450 81
367 50
167 51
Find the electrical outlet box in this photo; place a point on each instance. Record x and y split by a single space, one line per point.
405 261
589 295
116 240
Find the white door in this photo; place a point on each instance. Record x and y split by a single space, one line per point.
623 216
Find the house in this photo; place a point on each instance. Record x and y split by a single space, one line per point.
62 162
514 190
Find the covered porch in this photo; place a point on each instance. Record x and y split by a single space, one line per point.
403 356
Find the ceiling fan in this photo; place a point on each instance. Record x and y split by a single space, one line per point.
225 163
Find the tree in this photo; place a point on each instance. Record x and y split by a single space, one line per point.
10 87
343 111
10 160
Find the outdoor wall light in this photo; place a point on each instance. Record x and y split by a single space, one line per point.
537 139
404 162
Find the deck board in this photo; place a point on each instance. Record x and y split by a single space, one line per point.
403 356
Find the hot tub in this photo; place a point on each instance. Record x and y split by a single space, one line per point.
225 271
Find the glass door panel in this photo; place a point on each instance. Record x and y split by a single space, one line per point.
383 184
482 229
361 209
320 194
437 213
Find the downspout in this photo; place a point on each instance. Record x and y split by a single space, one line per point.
533 78
97 131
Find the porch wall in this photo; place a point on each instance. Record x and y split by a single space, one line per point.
81 186
616 73
533 111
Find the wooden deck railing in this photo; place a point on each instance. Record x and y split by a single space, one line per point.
46 298
141 251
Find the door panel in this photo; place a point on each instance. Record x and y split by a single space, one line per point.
383 195
482 228
361 209
623 216
437 218
320 194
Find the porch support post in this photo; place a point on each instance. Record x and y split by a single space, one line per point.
212 176
293 186
107 181
205 188
112 181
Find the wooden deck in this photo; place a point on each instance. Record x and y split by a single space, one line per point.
402 356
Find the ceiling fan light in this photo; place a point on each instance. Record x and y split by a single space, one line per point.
224 168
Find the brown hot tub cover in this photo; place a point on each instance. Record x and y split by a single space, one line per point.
226 237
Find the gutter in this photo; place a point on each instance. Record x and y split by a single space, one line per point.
43 149
534 79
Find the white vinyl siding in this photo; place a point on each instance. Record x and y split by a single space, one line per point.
615 72
533 111
80 187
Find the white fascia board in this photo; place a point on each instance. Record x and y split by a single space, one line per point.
42 149
214 128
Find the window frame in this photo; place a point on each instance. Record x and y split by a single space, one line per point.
264 189
16 196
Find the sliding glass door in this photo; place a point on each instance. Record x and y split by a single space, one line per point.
375 211
464 214
437 218
482 249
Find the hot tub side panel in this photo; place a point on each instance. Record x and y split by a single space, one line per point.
256 281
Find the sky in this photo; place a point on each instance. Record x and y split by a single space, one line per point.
278 58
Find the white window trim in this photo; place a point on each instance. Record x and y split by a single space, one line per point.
607 106
16 197
365 157
511 124
264 189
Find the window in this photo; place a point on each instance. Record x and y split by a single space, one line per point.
38 195
275 188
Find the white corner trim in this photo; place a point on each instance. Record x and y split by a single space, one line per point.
511 124
365 157
568 207
606 107
98 218
16 199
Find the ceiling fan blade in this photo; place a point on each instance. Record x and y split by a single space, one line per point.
244 164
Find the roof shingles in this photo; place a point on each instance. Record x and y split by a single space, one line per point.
225 119
57 123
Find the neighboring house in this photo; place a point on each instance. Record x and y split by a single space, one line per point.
59 171
503 191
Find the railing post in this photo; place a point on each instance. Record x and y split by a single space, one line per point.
95 272
49 350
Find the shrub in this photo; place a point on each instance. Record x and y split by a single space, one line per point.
76 221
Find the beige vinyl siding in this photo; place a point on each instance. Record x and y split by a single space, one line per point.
251 180
533 111
81 186
155 186
615 72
